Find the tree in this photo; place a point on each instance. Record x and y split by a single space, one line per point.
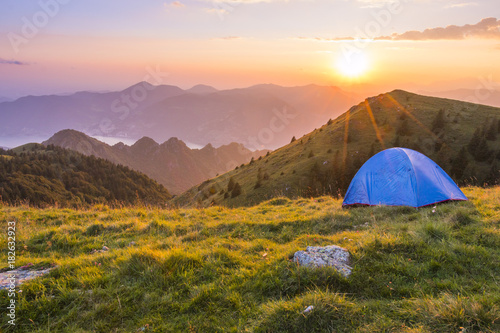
404 129
439 122
474 141
230 185
493 177
396 143
459 164
482 153
293 139
236 190
491 133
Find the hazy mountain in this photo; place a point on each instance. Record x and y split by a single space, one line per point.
93 113
259 116
5 99
463 138
202 89
172 163
40 176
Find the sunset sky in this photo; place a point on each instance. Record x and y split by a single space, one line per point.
51 46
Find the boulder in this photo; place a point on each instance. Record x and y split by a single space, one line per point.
332 255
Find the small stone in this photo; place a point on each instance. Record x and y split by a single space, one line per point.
105 248
132 243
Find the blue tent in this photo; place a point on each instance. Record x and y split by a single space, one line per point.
401 177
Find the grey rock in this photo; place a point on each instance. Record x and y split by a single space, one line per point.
332 255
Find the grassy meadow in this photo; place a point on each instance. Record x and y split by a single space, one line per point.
230 270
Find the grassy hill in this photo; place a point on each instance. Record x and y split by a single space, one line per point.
463 138
46 176
229 270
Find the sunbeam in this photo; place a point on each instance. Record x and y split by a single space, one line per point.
374 123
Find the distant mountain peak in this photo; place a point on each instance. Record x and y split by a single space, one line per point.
202 89
208 147
145 143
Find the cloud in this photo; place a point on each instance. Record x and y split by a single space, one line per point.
461 5
488 28
175 4
12 62
228 38
322 39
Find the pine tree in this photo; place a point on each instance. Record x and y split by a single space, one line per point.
482 153
474 141
439 122
459 164
491 133
493 177
404 129
396 143
230 185
236 190
293 139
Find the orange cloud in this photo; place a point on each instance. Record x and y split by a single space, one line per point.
487 28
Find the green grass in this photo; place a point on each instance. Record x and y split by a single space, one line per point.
229 270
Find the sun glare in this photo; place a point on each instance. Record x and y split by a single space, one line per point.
354 65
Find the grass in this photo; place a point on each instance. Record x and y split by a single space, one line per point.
229 270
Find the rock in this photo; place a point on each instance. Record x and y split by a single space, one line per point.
105 248
132 243
18 276
332 255
308 309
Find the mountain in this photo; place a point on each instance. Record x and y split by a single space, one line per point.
91 112
172 163
5 99
481 96
263 116
463 138
42 176
202 89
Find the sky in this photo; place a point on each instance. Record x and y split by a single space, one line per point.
62 46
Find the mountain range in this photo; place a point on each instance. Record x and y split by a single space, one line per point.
262 116
463 138
172 163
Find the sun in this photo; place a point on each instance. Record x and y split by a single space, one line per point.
353 65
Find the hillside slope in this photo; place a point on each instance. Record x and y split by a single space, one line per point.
172 163
463 138
42 176
229 270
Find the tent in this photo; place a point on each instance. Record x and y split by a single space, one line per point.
401 177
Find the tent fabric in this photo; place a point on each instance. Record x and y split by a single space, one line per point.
401 177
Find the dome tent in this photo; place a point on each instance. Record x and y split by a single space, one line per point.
401 177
